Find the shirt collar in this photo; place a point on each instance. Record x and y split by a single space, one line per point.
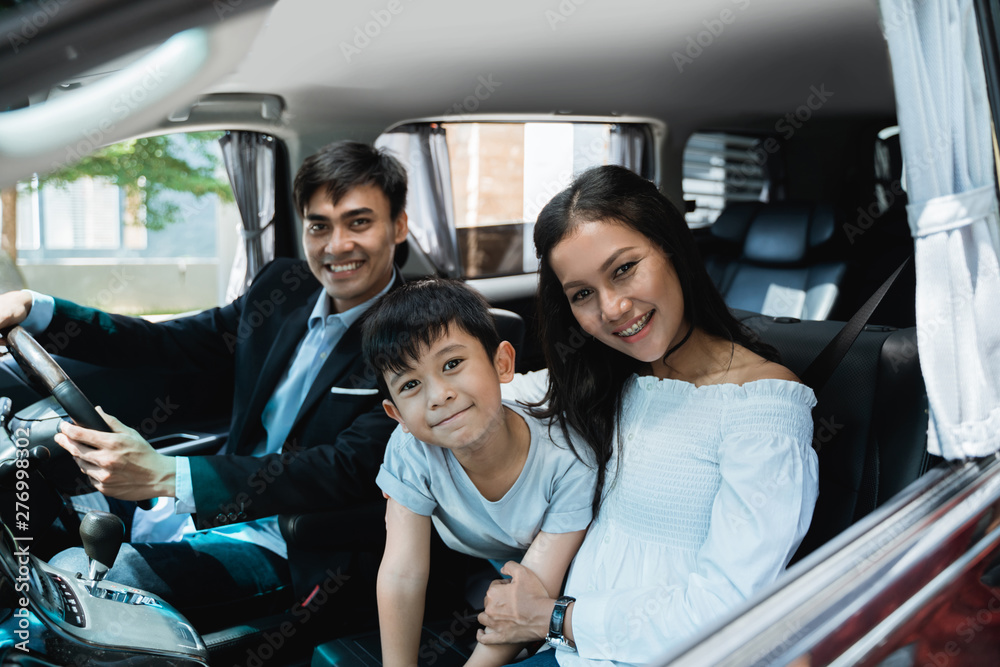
322 311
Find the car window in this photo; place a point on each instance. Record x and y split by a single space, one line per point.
720 168
498 176
146 227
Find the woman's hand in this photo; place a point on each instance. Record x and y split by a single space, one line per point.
517 610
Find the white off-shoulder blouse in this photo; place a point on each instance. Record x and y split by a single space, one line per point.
709 496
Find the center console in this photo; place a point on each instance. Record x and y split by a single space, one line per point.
63 618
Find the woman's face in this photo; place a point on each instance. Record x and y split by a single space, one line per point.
622 288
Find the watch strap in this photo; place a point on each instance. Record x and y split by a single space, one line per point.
555 637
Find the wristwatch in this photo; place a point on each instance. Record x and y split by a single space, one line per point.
555 636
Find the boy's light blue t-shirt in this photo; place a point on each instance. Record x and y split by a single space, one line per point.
553 493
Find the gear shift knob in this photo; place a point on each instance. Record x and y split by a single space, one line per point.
102 534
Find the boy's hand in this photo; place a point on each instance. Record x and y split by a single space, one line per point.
120 464
517 610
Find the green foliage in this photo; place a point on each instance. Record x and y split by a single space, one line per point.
148 168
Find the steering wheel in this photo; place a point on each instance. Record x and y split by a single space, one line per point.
42 369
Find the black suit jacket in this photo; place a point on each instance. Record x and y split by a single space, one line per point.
334 450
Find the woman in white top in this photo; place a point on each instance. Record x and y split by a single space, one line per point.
707 478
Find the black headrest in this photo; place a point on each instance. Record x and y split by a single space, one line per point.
733 222
785 232
889 174
510 326
402 252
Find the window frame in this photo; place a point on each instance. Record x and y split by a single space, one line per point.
752 142
518 285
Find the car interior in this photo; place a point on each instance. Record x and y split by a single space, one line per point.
770 123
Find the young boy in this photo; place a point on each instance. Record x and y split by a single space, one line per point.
496 482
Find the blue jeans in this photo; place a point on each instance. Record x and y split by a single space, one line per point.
546 658
214 581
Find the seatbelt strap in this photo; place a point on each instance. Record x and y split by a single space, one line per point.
826 362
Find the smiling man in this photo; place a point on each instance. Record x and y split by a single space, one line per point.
308 431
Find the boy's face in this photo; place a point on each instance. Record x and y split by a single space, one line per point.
451 396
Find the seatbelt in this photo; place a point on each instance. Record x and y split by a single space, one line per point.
826 362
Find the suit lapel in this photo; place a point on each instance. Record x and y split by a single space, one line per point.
334 371
291 333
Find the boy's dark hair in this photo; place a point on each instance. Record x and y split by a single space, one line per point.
343 165
406 321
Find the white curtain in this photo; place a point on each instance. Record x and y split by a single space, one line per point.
944 120
424 152
250 163
631 146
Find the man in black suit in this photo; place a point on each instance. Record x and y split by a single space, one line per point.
308 431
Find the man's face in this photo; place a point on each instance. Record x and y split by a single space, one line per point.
350 245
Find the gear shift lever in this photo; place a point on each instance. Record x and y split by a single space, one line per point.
102 534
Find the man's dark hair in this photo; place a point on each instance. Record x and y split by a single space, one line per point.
344 165
405 322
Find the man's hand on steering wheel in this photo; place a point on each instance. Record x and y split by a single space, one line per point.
14 307
120 464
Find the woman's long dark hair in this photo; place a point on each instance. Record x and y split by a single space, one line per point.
586 377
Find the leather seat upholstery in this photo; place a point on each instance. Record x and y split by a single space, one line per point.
870 425
781 259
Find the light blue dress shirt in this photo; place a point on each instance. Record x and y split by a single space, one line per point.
40 315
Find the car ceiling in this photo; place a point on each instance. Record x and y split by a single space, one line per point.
580 56
693 64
